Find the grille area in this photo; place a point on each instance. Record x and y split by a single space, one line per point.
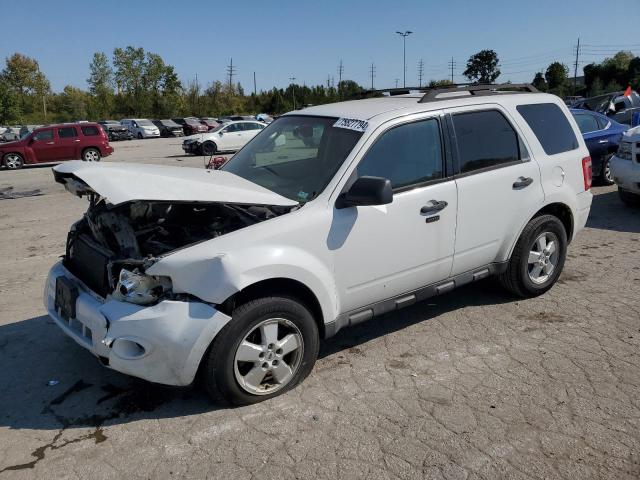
89 262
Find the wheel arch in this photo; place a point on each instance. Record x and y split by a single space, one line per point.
277 286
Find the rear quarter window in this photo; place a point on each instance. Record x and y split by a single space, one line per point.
550 126
90 131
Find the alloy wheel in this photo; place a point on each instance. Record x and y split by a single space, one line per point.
91 156
13 161
543 257
269 356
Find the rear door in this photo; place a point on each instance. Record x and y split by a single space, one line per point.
498 184
67 143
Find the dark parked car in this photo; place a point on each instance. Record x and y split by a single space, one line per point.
602 136
53 143
616 105
168 128
115 130
191 125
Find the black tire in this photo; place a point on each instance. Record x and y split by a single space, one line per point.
91 155
139 136
209 148
628 198
516 278
13 161
605 175
219 374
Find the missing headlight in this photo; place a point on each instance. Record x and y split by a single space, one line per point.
141 289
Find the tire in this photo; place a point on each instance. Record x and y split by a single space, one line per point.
628 198
13 161
526 279
139 136
91 155
605 175
243 382
209 148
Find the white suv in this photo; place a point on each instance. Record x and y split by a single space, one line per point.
329 217
625 167
141 127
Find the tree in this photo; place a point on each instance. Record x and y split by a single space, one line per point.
100 86
539 82
22 74
440 83
483 67
556 76
9 109
129 64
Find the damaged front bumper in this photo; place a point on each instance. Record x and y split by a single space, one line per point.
163 343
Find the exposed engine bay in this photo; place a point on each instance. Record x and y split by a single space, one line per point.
110 247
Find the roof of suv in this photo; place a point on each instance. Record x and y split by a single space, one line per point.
384 108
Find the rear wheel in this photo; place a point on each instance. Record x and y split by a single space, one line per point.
91 155
538 257
269 346
607 178
628 198
13 161
209 148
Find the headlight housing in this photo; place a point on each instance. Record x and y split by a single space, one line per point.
141 289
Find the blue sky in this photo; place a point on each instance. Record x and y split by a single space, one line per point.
306 40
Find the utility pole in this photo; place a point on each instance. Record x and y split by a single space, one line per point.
372 71
293 91
231 71
397 80
420 71
197 99
340 72
575 68
255 90
452 64
328 82
404 36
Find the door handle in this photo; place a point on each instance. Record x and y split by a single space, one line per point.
76 140
522 182
433 206
50 143
603 141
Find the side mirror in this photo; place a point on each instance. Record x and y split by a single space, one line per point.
366 191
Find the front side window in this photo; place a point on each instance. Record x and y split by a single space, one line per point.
406 155
295 156
67 132
485 140
586 123
43 135
550 126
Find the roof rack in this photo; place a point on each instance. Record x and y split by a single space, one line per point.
437 94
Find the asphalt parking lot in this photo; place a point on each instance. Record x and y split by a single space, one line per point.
472 384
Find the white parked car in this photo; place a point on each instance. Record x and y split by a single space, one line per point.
230 136
329 217
625 167
141 127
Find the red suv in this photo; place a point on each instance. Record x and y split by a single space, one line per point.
53 143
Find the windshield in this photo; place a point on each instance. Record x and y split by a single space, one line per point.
295 156
192 121
145 123
169 123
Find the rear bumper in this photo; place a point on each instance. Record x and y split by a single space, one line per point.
163 343
582 214
106 151
626 174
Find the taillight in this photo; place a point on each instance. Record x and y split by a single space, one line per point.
587 172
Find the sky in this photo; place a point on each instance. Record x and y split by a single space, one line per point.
307 40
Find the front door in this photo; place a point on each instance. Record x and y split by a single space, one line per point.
44 146
67 143
384 251
498 185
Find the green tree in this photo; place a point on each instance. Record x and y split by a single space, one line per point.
557 76
9 107
100 86
29 84
539 82
129 67
440 83
482 67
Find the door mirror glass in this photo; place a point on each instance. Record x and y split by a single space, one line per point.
366 191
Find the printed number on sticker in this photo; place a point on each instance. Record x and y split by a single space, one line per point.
352 124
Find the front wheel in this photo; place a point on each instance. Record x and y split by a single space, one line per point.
538 257
13 161
606 176
269 346
91 155
209 148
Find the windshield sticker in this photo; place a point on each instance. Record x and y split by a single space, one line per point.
352 124
303 195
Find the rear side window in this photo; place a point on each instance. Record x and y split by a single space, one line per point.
550 126
407 155
90 131
67 132
602 122
586 123
485 139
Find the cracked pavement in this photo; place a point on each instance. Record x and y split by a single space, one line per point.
471 385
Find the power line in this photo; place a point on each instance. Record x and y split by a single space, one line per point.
452 65
420 72
231 71
340 72
575 67
372 71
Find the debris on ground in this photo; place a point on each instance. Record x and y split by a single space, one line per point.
8 193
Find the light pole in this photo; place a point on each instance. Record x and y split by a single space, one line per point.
404 36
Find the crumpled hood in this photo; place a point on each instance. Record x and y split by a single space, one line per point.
120 183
